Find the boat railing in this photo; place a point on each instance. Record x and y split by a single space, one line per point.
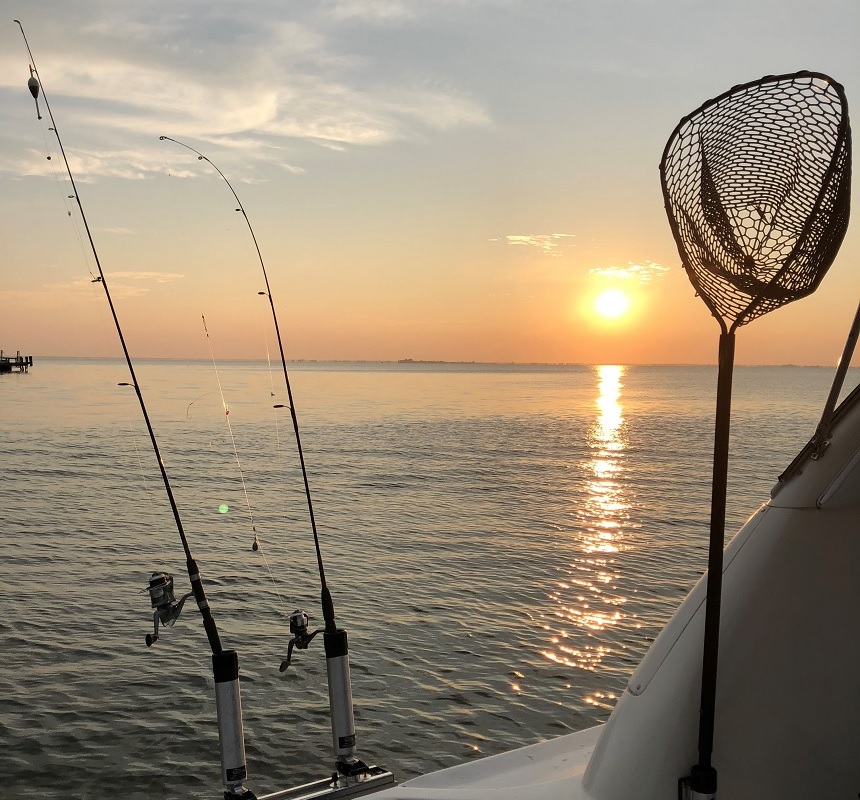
816 446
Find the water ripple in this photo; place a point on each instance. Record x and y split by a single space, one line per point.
501 545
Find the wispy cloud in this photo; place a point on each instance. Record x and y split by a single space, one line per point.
122 284
643 273
549 243
240 80
292 168
150 277
86 164
379 10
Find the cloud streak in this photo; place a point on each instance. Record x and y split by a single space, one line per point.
122 284
644 273
151 277
549 243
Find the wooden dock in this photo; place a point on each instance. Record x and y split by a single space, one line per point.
16 363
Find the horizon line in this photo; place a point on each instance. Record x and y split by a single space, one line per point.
422 361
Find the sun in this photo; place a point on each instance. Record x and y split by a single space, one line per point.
612 304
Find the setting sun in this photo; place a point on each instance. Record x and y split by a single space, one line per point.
612 303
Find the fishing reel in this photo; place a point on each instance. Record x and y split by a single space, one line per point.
166 608
301 638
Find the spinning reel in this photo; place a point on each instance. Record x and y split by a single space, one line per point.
166 608
301 638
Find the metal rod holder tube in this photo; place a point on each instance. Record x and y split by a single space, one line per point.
340 696
231 736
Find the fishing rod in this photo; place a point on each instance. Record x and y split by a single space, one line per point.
334 638
326 599
166 608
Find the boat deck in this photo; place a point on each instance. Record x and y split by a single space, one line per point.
549 769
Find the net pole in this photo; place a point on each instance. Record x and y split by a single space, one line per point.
704 776
756 184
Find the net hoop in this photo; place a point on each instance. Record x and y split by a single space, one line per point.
756 184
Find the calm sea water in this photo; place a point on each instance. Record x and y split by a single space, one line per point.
502 544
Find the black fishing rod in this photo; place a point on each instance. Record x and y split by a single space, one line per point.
327 603
166 607
334 638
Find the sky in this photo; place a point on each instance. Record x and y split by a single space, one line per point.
453 180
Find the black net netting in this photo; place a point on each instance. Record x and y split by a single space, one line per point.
756 184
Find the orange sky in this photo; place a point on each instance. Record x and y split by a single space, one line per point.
421 186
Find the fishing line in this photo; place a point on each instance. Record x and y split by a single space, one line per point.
63 186
131 429
147 489
326 599
278 446
59 179
188 408
257 544
271 381
271 373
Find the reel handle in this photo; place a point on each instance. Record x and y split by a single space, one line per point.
301 641
301 638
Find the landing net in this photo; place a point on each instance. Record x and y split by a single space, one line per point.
756 184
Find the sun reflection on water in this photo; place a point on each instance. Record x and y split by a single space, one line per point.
587 600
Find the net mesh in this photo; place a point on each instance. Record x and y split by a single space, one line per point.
757 189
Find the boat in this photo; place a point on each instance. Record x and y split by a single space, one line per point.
787 688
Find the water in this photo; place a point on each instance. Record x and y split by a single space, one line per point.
502 544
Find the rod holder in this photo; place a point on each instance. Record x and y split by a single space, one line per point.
340 703
231 737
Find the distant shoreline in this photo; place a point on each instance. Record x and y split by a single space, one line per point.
409 362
